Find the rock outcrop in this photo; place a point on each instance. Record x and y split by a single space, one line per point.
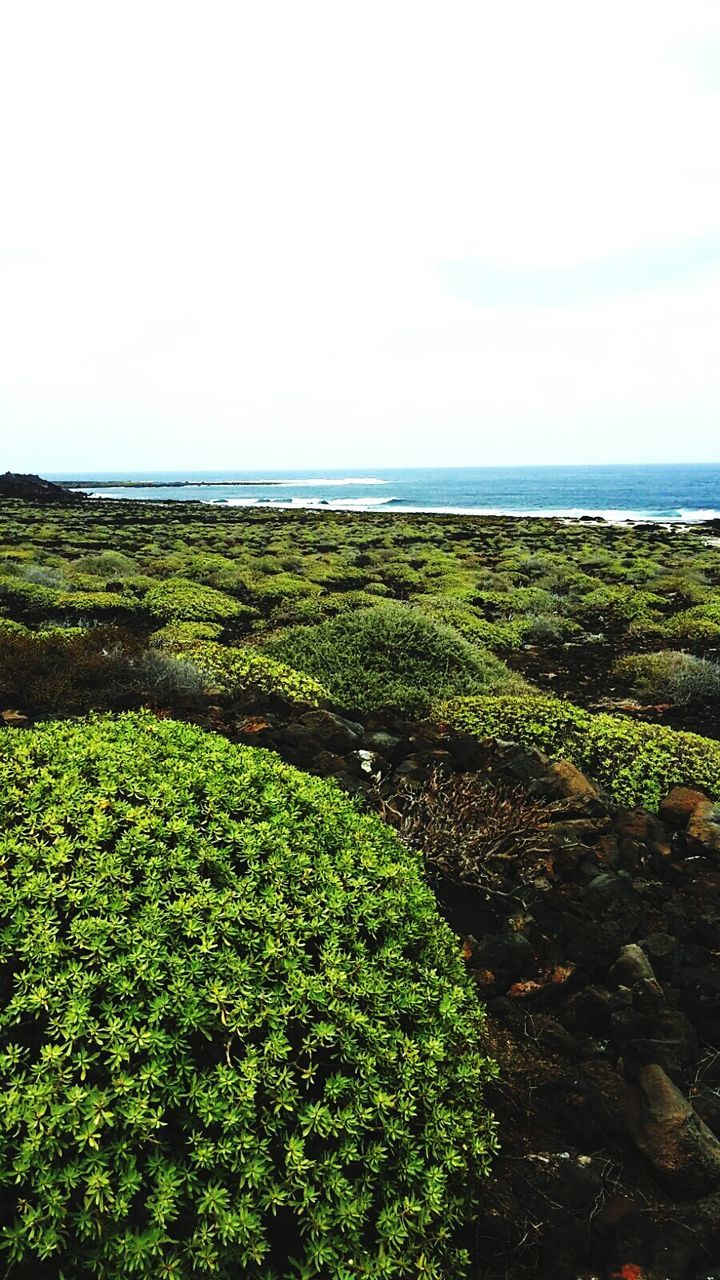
31 488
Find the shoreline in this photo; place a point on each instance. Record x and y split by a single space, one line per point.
391 507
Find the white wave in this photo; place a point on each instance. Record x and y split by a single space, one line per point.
306 504
698 513
316 480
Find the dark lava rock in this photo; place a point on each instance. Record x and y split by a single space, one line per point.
332 731
31 488
684 1153
631 966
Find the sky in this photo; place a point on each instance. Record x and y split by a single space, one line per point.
396 233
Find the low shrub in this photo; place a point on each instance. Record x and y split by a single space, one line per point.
236 1037
178 599
71 669
467 828
29 599
669 676
106 564
391 656
94 604
235 670
176 635
502 637
637 764
279 588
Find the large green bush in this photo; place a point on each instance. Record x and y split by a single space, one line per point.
236 1038
392 656
636 763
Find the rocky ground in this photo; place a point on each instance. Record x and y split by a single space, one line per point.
593 934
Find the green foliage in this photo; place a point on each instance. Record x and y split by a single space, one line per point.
502 637
106 564
178 599
281 586
89 604
235 670
175 635
29 599
636 763
670 676
392 656
236 1037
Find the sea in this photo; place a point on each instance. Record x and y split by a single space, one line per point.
671 493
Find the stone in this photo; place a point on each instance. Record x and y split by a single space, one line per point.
14 719
678 806
588 1010
417 767
683 1152
367 764
334 732
384 743
569 783
631 966
703 828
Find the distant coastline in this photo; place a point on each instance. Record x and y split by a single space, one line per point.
677 494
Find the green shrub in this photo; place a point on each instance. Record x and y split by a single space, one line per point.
236 1038
30 599
176 635
392 656
282 586
610 606
503 637
94 604
636 763
106 564
669 676
234 670
180 600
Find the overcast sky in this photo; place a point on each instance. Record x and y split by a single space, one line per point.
358 233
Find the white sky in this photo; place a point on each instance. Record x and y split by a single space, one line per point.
322 233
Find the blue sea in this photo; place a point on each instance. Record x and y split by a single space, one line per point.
661 493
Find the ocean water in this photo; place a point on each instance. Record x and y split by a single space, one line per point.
662 493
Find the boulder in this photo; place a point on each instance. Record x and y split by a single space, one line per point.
703 828
569 783
679 805
631 966
334 732
684 1153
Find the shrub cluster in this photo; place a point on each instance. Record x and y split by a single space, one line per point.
75 669
188 601
636 763
234 670
669 676
236 1039
392 656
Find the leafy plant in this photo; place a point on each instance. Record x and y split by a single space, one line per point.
670 676
391 656
235 670
636 763
188 601
236 1039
